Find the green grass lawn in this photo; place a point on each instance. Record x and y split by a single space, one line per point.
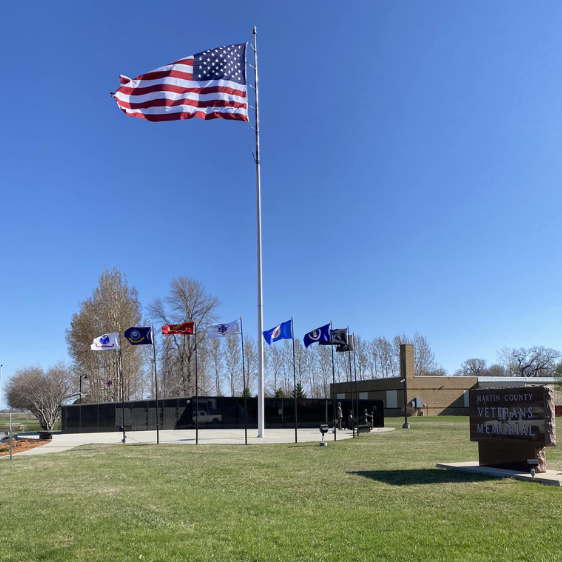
375 498
23 423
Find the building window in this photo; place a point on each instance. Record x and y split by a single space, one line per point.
363 396
340 395
466 399
391 399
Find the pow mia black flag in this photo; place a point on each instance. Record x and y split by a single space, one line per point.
338 336
347 346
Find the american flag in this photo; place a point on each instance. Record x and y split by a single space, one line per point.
208 85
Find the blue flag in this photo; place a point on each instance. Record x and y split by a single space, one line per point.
318 335
281 332
139 336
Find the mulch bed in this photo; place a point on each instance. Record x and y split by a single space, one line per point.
20 445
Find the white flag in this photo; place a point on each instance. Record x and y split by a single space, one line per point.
223 330
107 341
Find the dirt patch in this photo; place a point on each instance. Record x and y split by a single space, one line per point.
20 445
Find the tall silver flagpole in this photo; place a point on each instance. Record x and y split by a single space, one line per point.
261 418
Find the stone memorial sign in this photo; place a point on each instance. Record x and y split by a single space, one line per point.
512 426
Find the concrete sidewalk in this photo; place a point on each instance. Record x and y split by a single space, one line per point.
65 442
549 478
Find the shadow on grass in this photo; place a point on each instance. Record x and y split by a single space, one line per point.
421 476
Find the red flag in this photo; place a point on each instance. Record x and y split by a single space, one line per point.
186 328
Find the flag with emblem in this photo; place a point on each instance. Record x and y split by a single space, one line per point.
321 334
139 335
187 328
282 332
223 330
107 341
208 85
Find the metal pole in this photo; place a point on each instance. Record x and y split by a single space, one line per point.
261 417
333 384
10 436
156 387
80 376
294 376
196 389
406 424
122 391
244 383
356 393
0 387
350 381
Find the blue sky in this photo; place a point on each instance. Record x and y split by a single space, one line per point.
410 169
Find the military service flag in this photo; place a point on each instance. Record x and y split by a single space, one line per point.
223 330
338 337
187 328
139 335
319 335
107 341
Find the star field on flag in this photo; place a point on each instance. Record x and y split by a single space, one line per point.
208 85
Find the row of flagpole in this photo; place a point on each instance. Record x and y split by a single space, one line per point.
144 335
153 110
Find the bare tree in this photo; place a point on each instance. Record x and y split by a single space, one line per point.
112 307
215 355
472 367
233 360
424 358
496 370
384 358
42 393
251 363
536 361
187 301
274 354
363 359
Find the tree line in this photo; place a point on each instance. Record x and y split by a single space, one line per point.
114 306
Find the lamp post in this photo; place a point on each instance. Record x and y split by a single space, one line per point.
82 377
406 425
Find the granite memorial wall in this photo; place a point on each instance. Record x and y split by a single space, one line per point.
214 412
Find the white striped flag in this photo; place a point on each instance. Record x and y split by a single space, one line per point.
208 85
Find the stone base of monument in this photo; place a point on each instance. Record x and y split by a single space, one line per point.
548 478
511 455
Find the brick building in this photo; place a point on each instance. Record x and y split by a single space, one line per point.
439 395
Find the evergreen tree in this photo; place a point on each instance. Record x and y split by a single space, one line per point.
300 391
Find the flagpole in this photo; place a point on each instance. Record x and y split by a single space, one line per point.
244 383
356 393
261 417
333 384
196 389
294 376
350 381
156 387
122 389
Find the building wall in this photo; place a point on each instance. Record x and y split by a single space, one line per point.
440 395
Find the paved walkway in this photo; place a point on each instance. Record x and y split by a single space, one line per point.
67 441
